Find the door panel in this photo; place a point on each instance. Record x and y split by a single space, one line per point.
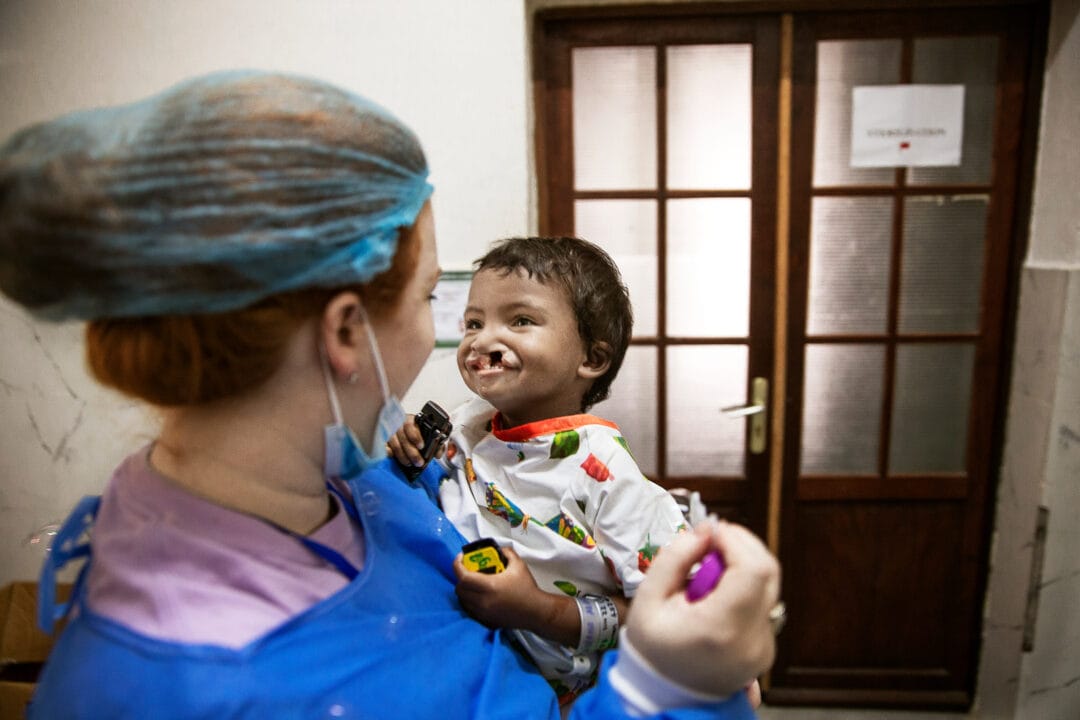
614 100
709 116
658 138
898 284
708 268
700 377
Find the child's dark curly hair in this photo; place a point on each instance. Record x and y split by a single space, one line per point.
593 285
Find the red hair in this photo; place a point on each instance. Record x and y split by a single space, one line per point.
178 360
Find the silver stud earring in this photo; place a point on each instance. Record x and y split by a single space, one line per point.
353 377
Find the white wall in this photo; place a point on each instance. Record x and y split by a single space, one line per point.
1055 217
1049 687
453 71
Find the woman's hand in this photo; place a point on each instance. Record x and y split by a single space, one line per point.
753 694
719 644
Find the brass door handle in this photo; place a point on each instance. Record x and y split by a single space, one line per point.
757 411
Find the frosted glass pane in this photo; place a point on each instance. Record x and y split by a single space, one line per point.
614 101
627 230
930 408
850 246
708 117
971 62
708 271
701 380
842 409
841 66
633 405
942 265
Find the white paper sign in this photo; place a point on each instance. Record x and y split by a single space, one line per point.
448 308
906 125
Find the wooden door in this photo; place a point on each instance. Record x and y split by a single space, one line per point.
901 280
866 311
688 214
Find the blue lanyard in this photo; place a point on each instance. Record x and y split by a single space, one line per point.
326 552
349 507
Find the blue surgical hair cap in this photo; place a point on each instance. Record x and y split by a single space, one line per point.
217 193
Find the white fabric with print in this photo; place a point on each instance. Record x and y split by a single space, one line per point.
565 492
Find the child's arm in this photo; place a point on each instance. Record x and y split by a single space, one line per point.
512 599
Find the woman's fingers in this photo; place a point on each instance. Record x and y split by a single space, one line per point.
668 572
751 562
720 642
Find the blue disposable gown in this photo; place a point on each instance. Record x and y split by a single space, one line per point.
394 643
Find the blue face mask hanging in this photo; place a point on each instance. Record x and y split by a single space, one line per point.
345 456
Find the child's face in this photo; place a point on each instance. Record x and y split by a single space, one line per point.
521 351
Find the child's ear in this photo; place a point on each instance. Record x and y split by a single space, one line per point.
597 361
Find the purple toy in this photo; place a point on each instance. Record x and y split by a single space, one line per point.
706 577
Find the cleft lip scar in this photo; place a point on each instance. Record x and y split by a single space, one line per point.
487 362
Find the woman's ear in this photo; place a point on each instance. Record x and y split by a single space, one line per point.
597 361
341 332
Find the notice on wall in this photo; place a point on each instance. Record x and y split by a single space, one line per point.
907 125
451 295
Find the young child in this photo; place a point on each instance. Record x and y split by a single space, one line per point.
547 325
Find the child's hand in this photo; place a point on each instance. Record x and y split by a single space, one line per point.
510 599
405 445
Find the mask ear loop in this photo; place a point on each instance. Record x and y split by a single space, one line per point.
335 406
384 385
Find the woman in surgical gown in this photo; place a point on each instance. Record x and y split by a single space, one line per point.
254 255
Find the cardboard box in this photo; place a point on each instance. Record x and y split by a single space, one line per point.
14 697
23 646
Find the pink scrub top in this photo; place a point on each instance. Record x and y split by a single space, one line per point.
158 550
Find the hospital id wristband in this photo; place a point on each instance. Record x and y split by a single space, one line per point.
599 623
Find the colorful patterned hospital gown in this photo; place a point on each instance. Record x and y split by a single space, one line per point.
569 497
